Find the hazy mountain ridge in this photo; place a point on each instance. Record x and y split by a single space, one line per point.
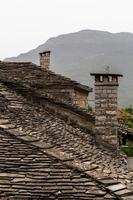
78 54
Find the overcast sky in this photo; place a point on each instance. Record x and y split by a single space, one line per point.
25 24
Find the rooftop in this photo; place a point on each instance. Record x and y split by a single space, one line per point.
43 154
33 76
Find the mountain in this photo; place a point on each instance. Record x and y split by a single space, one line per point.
78 54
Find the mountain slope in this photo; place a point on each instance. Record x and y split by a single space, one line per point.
77 54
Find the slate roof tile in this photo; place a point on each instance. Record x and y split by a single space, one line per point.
40 151
35 77
44 177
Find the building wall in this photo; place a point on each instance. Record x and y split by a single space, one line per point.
59 95
68 96
81 99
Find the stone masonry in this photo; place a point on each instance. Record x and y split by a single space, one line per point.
81 99
45 60
106 109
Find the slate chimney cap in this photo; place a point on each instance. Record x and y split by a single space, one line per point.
44 52
106 74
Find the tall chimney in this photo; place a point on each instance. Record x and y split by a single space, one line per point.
45 60
106 85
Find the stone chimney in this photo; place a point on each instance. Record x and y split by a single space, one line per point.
45 60
106 85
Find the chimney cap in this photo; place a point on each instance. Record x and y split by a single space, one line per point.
45 52
106 74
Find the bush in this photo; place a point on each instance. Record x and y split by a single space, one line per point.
128 121
128 149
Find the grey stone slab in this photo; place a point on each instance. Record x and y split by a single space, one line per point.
124 192
7 126
109 181
128 197
116 187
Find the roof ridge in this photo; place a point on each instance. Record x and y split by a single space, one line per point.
49 98
69 79
76 83
12 62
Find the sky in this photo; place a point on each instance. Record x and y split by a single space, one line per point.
25 24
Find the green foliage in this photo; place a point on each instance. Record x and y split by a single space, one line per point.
128 149
90 108
128 117
129 109
128 121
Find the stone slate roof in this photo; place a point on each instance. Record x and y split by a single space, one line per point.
35 77
30 130
28 173
32 124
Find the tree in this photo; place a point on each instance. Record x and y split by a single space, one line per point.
129 109
128 117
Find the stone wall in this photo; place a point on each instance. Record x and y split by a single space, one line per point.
106 109
81 99
61 95
71 114
68 96
73 117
